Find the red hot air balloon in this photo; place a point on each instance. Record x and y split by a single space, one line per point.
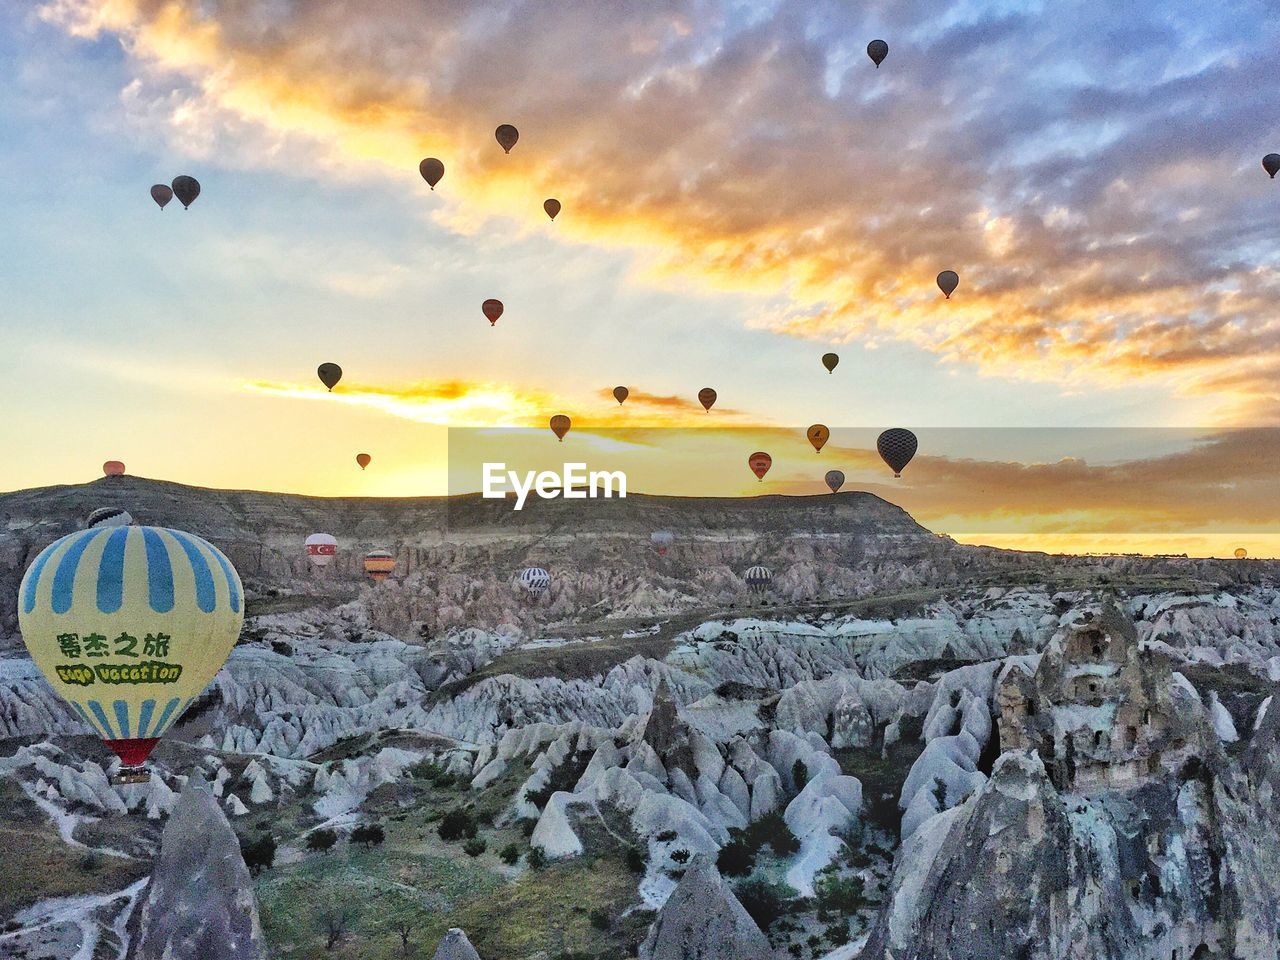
162 193
552 207
896 447
432 170
707 397
560 426
760 462
620 394
363 459
113 468
506 135
492 310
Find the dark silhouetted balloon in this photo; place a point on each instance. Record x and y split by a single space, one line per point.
707 397
897 446
492 310
552 207
835 480
620 394
759 462
948 280
432 170
329 374
363 459
506 135
830 360
877 50
560 425
186 189
1271 164
818 435
161 194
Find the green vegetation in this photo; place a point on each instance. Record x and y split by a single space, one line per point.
764 899
456 824
474 847
259 853
510 855
321 840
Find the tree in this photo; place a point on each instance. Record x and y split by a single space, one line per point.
510 854
537 858
800 774
368 834
456 824
259 854
762 899
735 859
322 839
335 915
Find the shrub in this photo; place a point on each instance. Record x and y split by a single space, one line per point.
321 840
91 862
800 774
666 836
537 859
763 899
600 918
843 895
259 854
773 830
680 856
736 859
510 854
635 859
370 835
474 847
456 824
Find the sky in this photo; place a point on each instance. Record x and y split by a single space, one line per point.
742 189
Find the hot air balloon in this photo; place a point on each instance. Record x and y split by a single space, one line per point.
506 135
108 517
1241 553
552 207
707 397
1271 164
877 50
186 189
948 280
818 435
432 170
363 459
662 540
835 480
329 374
378 564
161 194
113 468
129 625
758 578
533 582
896 446
620 394
829 360
759 462
492 309
321 549
560 425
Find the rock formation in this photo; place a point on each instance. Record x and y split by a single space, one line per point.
703 920
455 946
200 902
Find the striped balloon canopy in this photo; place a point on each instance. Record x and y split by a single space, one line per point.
129 625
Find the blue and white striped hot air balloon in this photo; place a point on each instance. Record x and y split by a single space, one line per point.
129 624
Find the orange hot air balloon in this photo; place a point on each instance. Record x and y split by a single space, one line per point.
819 435
560 426
552 207
432 171
378 564
760 462
492 310
363 459
506 135
1241 553
707 397
620 394
113 468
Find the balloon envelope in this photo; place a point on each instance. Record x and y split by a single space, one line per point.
534 581
113 468
186 189
818 435
492 309
1241 553
896 447
1271 164
707 397
432 170
161 194
758 577
759 462
552 207
108 517
835 480
506 135
329 374
877 50
129 625
363 459
662 540
948 280
620 394
378 564
829 360
321 549
560 426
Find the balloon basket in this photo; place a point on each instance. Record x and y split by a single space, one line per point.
138 774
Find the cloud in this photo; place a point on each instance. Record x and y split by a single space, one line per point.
1091 172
